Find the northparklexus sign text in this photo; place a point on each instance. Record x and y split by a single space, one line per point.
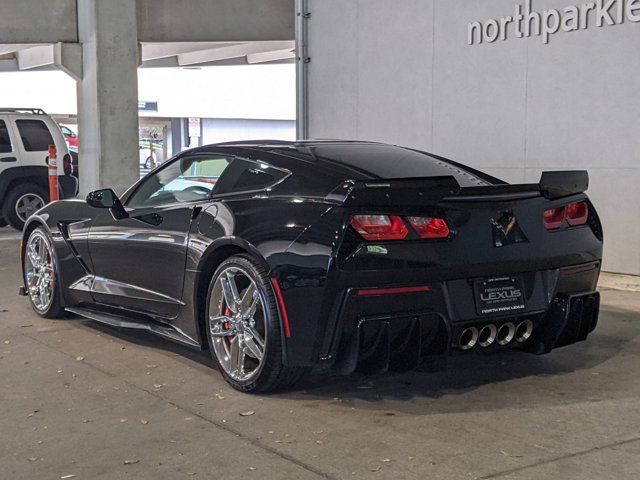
526 22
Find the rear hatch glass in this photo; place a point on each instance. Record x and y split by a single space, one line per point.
377 161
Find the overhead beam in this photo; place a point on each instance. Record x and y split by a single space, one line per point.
68 58
38 21
14 47
156 51
235 51
215 21
35 57
273 56
52 21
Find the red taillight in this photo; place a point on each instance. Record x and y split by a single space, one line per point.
379 227
429 227
553 218
392 291
577 213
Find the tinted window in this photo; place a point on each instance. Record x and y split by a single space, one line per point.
185 180
244 175
35 135
386 161
5 139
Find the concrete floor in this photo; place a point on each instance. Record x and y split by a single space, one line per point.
79 399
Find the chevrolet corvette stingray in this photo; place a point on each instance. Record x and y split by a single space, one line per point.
277 257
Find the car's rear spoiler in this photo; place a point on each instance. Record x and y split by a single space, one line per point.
431 190
563 183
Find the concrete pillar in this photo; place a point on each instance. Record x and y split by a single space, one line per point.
108 95
178 135
165 142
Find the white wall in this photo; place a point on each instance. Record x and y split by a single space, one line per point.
53 91
243 91
252 92
401 71
215 130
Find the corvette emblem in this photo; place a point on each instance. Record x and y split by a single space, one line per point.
506 230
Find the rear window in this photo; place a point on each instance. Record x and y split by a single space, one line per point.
388 162
35 135
5 139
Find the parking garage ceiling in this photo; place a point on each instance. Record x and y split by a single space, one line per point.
171 34
19 57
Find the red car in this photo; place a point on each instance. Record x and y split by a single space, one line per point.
70 136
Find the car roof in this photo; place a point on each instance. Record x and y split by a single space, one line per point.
284 143
353 159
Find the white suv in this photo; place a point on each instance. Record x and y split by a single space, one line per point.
25 136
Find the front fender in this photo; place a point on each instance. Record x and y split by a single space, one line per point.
67 223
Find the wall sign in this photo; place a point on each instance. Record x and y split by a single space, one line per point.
194 126
527 22
147 106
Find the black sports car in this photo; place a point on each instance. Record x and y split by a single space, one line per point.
278 257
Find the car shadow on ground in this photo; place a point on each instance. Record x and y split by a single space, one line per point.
471 376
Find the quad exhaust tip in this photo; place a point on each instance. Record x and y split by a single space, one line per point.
524 331
487 335
469 338
506 333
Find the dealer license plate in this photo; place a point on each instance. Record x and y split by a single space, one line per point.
499 295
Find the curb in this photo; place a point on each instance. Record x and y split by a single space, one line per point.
618 281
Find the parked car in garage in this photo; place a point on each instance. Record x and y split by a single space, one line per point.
279 256
25 136
70 137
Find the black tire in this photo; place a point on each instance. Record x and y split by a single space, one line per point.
56 308
273 374
15 194
3 222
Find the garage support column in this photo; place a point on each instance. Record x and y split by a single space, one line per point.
108 95
177 135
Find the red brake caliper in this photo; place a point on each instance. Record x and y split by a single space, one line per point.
227 325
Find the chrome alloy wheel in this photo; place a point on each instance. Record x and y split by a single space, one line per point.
39 271
237 323
28 204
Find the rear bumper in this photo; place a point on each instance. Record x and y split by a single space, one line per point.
397 329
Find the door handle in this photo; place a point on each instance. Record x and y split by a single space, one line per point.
8 159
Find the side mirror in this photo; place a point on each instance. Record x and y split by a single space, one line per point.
107 198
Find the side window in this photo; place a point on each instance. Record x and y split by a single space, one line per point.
5 139
35 135
187 179
244 175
